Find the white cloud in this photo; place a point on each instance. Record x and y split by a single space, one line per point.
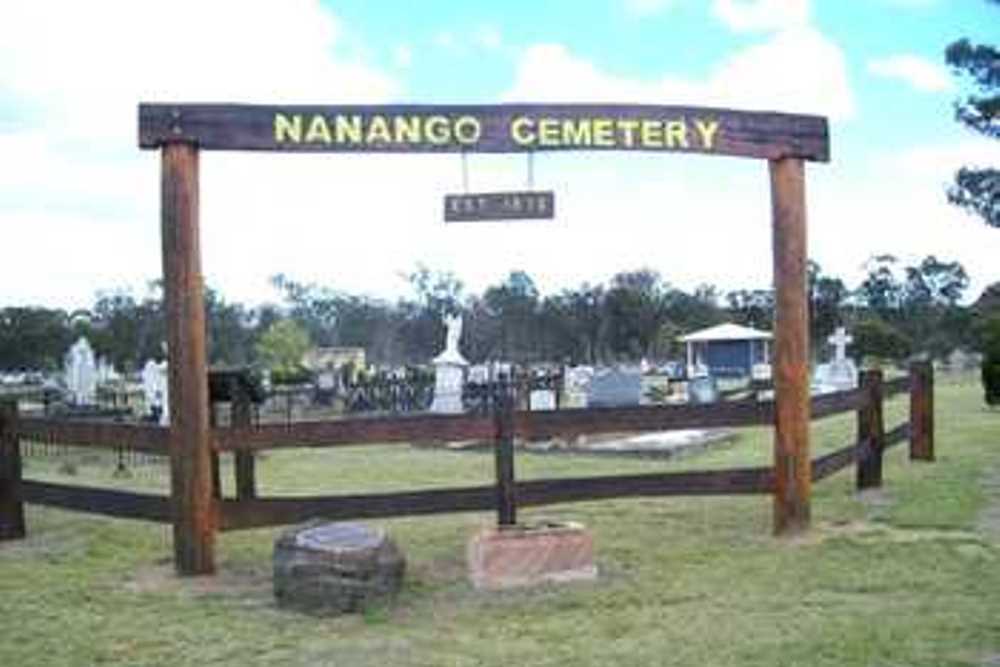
920 73
81 196
761 15
797 70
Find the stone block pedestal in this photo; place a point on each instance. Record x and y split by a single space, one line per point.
332 568
530 554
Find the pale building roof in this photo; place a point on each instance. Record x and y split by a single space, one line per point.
727 331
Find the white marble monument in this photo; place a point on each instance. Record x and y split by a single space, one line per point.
81 373
155 389
841 373
449 371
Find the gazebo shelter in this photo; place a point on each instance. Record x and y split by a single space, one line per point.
726 350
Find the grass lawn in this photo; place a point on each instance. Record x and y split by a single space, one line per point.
909 575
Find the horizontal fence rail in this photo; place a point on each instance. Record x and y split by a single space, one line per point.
828 464
355 431
111 435
109 502
541 424
264 512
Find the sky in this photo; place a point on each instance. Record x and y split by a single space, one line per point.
79 201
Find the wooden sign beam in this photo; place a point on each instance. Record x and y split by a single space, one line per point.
498 128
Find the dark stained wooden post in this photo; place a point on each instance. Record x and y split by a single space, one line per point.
243 462
871 432
503 446
193 504
922 411
792 465
11 505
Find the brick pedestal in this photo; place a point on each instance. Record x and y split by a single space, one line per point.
527 555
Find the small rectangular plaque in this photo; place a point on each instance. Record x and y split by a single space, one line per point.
492 206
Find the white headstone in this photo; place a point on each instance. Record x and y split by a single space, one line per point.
155 388
840 340
841 373
81 373
576 386
542 399
449 371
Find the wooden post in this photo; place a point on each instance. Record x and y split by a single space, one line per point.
243 462
11 505
792 465
194 507
504 453
871 432
921 411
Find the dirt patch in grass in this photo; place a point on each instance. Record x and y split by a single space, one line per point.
252 585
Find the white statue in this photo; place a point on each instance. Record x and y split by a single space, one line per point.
454 325
81 373
449 371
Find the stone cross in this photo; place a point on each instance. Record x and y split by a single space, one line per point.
840 340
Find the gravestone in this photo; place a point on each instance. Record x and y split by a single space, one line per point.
334 568
449 371
542 399
702 390
615 388
840 374
155 390
81 373
576 384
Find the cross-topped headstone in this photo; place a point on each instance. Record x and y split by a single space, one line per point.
840 340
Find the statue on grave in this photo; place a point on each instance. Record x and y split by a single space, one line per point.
454 325
449 370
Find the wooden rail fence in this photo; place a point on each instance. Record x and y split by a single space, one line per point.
505 496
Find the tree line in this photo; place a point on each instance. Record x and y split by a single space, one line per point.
895 312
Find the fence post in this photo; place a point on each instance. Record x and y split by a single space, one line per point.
503 446
921 411
871 432
792 462
243 462
11 505
193 500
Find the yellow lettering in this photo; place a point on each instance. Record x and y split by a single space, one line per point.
378 131
604 131
287 128
707 130
522 131
437 130
347 129
628 128
467 130
676 134
576 132
651 134
549 132
407 129
318 130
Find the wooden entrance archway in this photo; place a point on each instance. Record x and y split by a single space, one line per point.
180 131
